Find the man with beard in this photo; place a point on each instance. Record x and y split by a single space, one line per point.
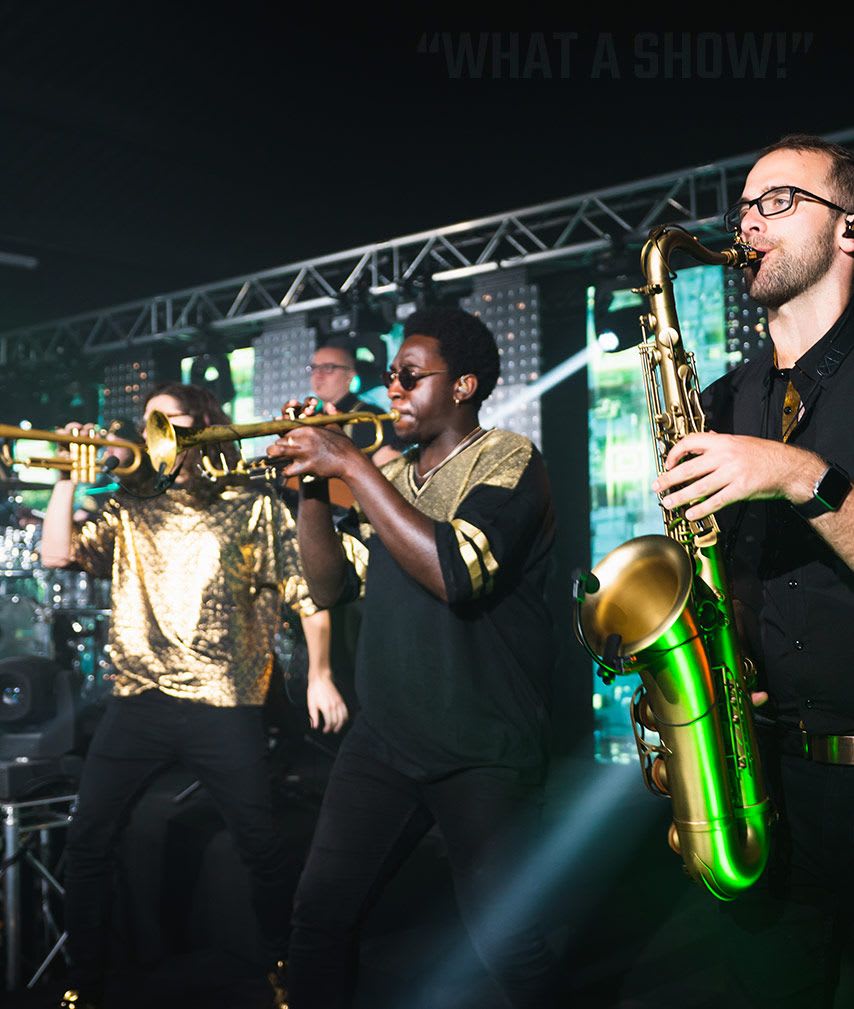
452 670
782 452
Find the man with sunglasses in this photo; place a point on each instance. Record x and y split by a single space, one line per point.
781 451
453 667
332 370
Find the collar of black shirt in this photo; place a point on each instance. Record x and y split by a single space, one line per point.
821 362
348 403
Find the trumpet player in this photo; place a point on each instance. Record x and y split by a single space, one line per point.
453 665
198 577
779 460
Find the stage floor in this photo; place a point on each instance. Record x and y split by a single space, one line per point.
633 929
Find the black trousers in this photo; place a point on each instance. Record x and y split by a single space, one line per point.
371 819
138 736
782 940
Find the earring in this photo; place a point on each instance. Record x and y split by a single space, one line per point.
849 230
457 402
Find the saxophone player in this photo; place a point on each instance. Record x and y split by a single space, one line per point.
778 459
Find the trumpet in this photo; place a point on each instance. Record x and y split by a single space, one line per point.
84 461
165 442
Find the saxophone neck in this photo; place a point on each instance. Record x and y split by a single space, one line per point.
664 241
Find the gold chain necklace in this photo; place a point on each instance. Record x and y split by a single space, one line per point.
462 444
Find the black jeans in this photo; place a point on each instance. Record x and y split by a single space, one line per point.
372 818
138 736
782 940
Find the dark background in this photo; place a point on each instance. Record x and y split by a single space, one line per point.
151 147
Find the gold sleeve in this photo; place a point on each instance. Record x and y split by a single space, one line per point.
295 594
294 589
93 543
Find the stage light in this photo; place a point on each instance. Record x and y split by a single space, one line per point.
416 292
213 372
616 313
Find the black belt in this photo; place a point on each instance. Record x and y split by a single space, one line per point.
796 741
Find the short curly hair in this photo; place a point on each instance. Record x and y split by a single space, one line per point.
465 342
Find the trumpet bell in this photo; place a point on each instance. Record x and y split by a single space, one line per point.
161 442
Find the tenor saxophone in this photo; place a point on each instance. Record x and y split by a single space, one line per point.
661 606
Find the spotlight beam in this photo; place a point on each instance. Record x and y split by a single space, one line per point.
580 840
536 389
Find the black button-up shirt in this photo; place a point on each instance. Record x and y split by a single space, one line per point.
799 590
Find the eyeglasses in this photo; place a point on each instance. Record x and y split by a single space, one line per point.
408 378
775 201
326 369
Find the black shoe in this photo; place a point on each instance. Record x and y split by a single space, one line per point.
74 999
277 979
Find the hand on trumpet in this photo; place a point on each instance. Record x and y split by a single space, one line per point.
64 451
319 452
294 409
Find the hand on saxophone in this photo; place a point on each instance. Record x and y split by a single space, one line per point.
708 471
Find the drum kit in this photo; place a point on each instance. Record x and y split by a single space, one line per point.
57 614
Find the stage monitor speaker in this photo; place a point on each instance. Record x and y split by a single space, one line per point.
37 715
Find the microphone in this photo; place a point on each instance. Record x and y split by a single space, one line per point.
163 480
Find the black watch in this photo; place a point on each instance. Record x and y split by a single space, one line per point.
830 490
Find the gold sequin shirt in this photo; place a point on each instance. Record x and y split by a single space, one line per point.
197 590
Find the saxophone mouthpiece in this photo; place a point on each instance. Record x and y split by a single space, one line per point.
745 254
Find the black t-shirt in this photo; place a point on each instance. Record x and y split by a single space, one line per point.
363 435
465 683
800 590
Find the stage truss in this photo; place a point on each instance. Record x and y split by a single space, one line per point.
568 232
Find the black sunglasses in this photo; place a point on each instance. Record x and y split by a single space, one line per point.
407 378
775 201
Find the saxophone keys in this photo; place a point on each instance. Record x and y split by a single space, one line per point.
658 774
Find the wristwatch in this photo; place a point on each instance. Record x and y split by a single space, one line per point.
830 490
